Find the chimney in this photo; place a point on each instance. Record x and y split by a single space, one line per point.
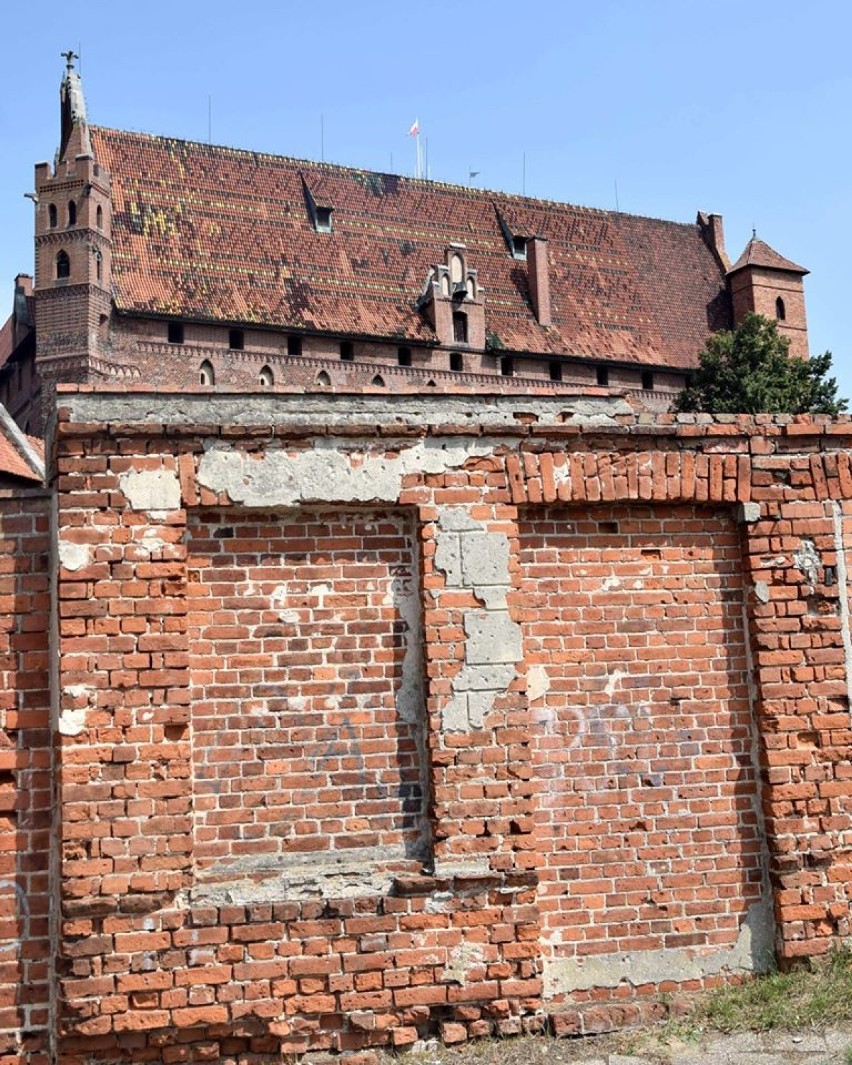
714 236
539 278
24 284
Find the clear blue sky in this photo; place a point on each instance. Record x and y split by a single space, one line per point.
740 107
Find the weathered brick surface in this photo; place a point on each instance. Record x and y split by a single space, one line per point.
568 694
24 776
637 680
307 700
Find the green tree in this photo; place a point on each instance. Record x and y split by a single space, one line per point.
749 371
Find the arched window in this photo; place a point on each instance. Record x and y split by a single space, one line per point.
323 379
780 310
206 376
445 284
456 268
52 218
459 327
471 288
265 378
99 266
72 213
63 265
99 217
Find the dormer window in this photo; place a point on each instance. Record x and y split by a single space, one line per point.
322 219
519 247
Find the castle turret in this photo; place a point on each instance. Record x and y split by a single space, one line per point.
763 282
72 248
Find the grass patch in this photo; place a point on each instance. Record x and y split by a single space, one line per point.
813 997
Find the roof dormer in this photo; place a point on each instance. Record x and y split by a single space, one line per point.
452 300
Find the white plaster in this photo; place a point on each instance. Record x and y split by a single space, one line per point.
328 474
807 561
72 722
538 683
613 680
74 557
761 591
152 490
752 952
462 959
748 513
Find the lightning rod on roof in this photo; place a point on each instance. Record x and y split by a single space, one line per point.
524 175
615 182
322 138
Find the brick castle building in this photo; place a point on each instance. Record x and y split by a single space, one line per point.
375 660
164 262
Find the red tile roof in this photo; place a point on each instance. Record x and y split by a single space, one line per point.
215 233
758 253
12 461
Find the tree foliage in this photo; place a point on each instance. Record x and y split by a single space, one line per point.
749 371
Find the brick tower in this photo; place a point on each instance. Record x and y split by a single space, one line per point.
764 282
72 250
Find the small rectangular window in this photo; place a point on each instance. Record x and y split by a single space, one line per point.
236 339
403 356
519 247
507 366
603 376
460 327
294 345
175 332
323 217
556 371
347 351
648 380
456 361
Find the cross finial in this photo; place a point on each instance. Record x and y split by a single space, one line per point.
69 58
754 232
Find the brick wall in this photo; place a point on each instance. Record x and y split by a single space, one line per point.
305 687
637 681
25 785
383 716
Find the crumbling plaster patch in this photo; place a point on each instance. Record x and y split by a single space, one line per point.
752 952
73 557
475 559
326 473
157 491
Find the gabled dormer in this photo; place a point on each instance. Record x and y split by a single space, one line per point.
454 302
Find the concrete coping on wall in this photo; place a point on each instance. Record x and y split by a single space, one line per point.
81 408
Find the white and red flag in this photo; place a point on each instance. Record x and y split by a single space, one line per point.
415 128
